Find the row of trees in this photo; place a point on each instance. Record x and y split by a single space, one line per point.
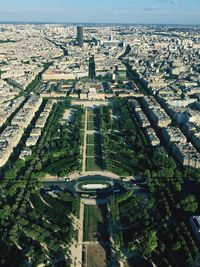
27 231
59 148
156 227
121 135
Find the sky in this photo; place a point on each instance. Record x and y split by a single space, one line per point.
102 11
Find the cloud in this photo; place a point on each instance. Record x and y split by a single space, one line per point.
174 2
153 8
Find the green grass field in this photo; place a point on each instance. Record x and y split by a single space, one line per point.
90 117
90 111
94 150
94 161
60 164
90 139
90 126
90 150
93 164
119 171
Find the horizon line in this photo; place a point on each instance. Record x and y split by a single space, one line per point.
96 23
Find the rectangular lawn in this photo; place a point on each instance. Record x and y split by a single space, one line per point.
95 223
93 164
90 139
90 126
90 150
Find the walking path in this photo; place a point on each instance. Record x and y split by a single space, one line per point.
77 175
77 247
94 202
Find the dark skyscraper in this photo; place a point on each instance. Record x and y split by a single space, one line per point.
80 36
92 72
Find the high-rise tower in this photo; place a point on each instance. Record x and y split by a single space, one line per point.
80 36
92 72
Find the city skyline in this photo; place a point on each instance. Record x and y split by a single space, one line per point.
153 12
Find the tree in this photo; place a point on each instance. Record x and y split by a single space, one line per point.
189 204
38 166
148 243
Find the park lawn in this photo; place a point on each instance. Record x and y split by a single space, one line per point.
90 139
90 150
58 154
53 209
119 171
61 164
90 117
95 226
90 112
58 203
90 126
93 164
94 150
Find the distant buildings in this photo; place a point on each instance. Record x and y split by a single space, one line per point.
12 134
80 36
167 66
